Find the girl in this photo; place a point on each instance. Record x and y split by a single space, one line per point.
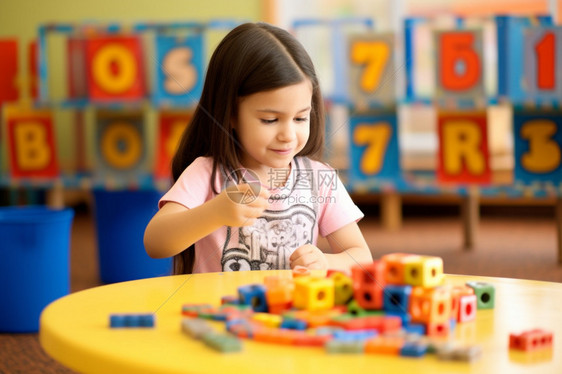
249 191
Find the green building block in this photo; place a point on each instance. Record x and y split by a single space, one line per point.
222 342
485 294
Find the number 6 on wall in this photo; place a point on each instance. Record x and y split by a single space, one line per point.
374 147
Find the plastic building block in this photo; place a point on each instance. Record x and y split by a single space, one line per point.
267 319
485 294
345 346
312 293
254 295
467 308
430 305
438 328
456 293
222 342
241 328
389 345
354 309
131 320
280 292
395 263
424 271
368 283
230 299
300 271
415 328
451 352
343 288
397 299
531 340
193 310
413 349
308 340
355 335
196 327
294 324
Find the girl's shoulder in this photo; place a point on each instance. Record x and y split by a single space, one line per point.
308 163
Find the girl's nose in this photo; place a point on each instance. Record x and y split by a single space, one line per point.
287 132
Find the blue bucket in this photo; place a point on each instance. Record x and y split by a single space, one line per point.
34 263
121 217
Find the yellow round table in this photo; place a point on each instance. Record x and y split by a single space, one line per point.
75 331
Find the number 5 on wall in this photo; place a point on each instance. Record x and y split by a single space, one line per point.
374 147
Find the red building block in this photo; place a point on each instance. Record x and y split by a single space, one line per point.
368 284
531 340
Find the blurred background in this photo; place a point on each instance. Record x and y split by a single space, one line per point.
443 122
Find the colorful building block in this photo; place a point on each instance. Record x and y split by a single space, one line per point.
196 327
395 265
300 271
368 284
531 340
343 287
389 345
485 294
424 271
267 319
131 320
314 293
467 308
253 295
456 293
345 346
221 342
413 349
430 305
293 324
397 299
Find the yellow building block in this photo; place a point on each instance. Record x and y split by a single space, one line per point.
268 320
343 288
424 271
313 293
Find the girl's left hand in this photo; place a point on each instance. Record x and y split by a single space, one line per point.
310 257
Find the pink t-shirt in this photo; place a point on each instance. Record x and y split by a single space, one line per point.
312 202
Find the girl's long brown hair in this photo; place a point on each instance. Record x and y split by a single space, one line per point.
253 57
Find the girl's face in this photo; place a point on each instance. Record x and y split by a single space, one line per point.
273 126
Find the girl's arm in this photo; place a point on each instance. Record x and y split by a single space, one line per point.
348 244
175 227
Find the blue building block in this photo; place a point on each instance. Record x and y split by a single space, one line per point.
357 335
131 320
413 349
396 299
253 295
294 324
415 328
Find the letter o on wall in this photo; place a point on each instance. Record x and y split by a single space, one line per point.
103 60
121 145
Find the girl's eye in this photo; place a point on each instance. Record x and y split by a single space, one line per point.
301 119
268 121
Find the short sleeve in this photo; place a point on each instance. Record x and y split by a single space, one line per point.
337 209
193 186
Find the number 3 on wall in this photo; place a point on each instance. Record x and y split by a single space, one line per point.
538 143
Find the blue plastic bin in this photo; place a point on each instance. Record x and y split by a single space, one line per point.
121 217
34 263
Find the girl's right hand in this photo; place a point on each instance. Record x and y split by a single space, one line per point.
239 205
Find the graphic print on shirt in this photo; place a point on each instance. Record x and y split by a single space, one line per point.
269 243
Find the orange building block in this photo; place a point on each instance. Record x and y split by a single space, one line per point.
395 265
389 345
430 305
